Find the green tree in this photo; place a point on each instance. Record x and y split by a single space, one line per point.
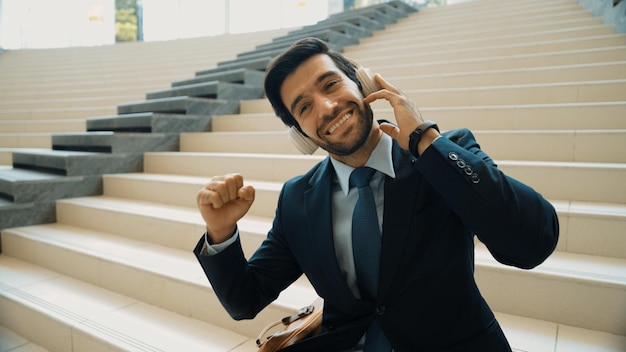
126 29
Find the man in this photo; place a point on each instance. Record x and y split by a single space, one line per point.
433 193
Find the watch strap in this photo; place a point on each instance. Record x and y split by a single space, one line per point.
416 135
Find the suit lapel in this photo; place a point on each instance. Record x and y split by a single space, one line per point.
396 222
318 206
400 193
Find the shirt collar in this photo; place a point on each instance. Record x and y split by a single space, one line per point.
380 160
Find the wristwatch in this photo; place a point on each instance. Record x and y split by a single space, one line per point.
416 135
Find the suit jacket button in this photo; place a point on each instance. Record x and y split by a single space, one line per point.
468 170
380 310
461 163
475 178
453 156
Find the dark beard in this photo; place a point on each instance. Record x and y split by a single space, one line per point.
343 149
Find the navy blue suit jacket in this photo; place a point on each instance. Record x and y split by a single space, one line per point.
428 299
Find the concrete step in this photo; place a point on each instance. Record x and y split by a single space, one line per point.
181 105
554 290
265 167
25 140
11 341
545 93
113 70
42 126
213 89
74 316
360 20
391 12
126 88
449 64
493 38
373 15
28 197
494 13
517 76
518 23
73 163
65 314
564 270
116 142
6 155
68 102
519 116
572 51
350 28
150 122
244 76
514 20
131 57
56 113
335 38
568 180
586 228
238 142
21 214
114 262
63 89
26 186
181 190
511 33
258 64
544 145
273 49
257 115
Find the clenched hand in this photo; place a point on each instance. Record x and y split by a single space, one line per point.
222 202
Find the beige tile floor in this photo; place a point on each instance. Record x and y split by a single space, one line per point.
532 335
10 341
525 335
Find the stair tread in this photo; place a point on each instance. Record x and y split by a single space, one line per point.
598 208
584 267
11 174
11 341
116 317
119 320
199 180
570 265
616 166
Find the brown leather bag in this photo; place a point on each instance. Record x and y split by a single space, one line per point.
305 323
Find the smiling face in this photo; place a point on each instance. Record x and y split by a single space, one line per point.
329 107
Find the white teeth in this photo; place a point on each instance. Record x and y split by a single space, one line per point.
339 123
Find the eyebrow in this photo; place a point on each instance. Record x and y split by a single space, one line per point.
319 79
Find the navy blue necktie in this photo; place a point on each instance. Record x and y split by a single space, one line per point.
366 243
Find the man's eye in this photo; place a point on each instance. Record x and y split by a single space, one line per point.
304 108
330 84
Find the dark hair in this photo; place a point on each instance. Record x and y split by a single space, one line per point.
288 61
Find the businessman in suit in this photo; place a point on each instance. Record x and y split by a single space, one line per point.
433 193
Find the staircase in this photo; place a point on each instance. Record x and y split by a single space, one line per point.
542 83
47 91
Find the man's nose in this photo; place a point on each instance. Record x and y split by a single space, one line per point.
327 105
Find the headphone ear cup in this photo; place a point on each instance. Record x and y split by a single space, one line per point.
304 144
366 77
